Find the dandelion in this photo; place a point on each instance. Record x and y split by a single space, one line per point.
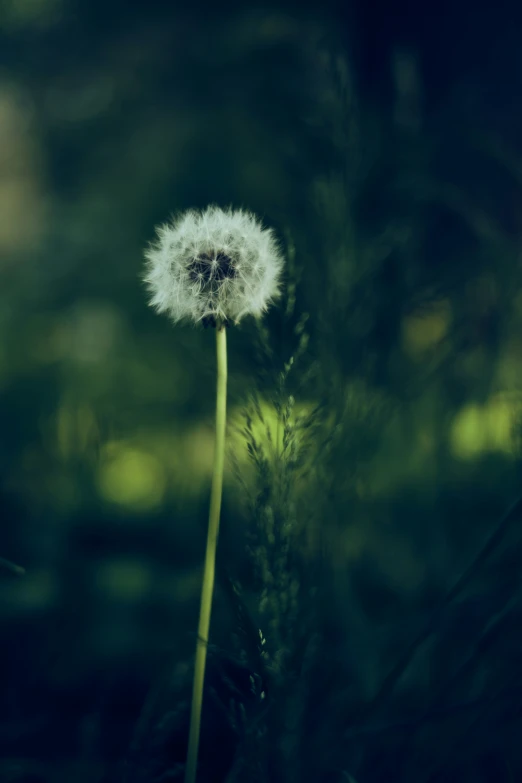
213 267
216 265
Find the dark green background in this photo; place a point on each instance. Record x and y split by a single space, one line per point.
382 143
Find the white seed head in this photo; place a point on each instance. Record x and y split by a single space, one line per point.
214 265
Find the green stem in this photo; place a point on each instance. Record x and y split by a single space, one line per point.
15 569
210 556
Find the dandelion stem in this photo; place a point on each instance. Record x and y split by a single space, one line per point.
210 556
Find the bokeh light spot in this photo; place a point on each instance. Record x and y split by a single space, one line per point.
489 428
131 478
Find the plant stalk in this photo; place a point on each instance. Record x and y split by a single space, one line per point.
13 567
210 556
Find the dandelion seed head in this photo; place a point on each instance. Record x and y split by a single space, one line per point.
213 265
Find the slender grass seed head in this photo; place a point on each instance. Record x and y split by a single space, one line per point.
213 266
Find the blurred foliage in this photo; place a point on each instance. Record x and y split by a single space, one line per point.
374 416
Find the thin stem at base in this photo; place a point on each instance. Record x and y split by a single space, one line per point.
210 556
